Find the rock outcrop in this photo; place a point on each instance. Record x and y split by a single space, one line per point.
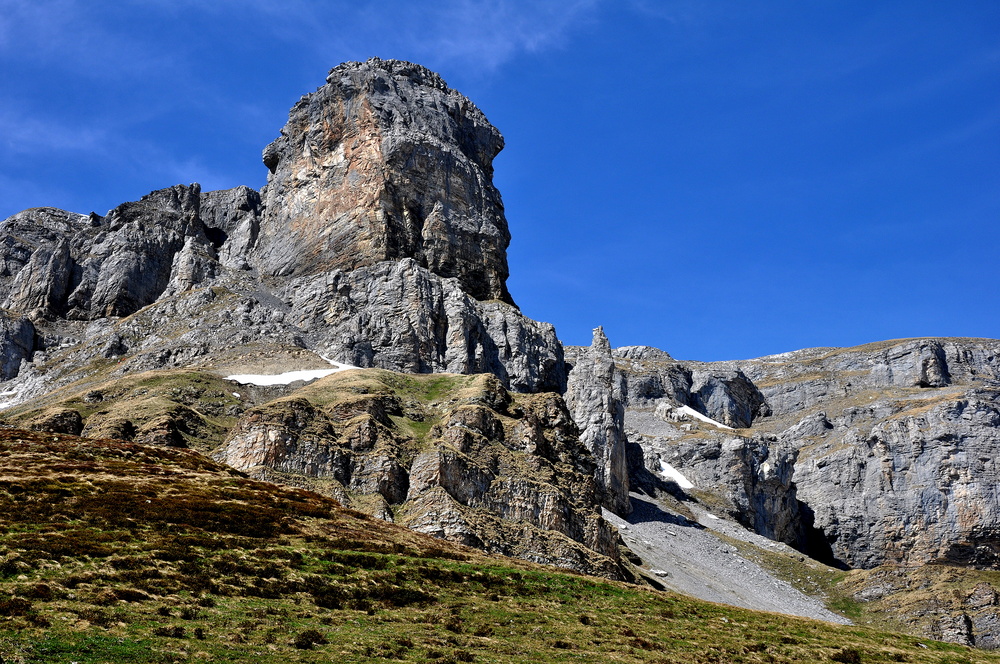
385 162
934 601
721 392
399 315
458 457
86 267
802 379
17 344
596 394
379 241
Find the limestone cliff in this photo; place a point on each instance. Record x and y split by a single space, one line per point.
896 444
385 162
879 454
63 265
596 395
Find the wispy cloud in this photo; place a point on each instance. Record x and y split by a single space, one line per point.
24 134
116 82
482 34
489 34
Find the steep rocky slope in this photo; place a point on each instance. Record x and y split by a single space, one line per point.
458 457
862 457
455 456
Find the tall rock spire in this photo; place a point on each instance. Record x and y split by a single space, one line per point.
386 162
596 396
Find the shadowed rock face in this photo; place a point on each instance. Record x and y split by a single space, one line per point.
381 163
82 267
17 343
722 393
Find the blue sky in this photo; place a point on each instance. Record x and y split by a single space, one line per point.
720 179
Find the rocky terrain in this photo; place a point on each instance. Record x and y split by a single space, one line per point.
881 455
458 457
384 173
829 475
378 241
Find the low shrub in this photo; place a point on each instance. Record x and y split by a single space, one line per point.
15 606
309 638
847 656
170 631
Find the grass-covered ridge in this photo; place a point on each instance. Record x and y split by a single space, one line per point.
115 552
174 407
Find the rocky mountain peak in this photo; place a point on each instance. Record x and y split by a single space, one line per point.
379 241
385 162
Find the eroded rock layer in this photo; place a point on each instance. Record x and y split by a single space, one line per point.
877 454
457 457
385 162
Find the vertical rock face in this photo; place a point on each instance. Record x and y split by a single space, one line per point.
17 343
759 476
232 223
727 396
398 315
381 163
596 395
919 486
35 265
873 455
893 448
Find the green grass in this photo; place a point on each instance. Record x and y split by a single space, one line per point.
419 430
113 552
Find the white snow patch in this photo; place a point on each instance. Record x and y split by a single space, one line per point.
236 394
711 516
672 473
691 412
290 376
7 403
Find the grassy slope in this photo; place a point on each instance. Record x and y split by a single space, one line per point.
114 552
199 405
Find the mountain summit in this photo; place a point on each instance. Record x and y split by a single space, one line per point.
385 162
